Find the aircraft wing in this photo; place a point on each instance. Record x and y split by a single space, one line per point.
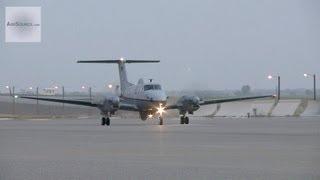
173 106
216 101
128 107
75 102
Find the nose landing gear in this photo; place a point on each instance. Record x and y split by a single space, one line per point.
105 121
160 120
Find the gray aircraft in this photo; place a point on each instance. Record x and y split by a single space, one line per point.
149 99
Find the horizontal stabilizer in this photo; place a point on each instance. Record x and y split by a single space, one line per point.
119 61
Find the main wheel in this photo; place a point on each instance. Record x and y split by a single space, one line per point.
186 120
108 121
181 120
103 121
160 120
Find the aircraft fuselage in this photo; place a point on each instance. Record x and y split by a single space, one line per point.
146 97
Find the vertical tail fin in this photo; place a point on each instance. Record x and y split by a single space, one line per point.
124 83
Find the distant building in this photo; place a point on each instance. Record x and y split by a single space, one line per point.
27 91
49 91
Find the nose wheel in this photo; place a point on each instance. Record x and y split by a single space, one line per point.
160 120
105 121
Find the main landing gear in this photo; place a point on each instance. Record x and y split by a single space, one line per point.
160 120
105 121
184 120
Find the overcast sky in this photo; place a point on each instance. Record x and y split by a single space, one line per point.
202 44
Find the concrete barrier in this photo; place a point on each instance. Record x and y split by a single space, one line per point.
262 107
286 107
241 109
237 109
312 109
206 110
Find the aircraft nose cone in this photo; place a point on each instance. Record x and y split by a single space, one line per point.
196 100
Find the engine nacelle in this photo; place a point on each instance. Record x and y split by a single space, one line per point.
110 105
143 115
188 104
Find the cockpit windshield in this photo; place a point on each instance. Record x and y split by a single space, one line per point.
152 87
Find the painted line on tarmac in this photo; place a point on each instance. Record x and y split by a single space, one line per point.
5 119
39 119
83 117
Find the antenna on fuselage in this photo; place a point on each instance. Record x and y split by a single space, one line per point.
150 80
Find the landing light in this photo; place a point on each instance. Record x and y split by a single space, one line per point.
150 116
160 109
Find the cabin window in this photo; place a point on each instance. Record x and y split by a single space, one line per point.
152 87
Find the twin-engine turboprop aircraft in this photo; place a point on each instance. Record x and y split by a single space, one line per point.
149 99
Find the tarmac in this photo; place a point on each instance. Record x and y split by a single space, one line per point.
208 148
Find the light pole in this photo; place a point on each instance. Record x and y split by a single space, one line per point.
63 99
13 101
9 88
278 88
37 91
90 97
37 95
314 84
89 90
90 94
12 94
63 95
